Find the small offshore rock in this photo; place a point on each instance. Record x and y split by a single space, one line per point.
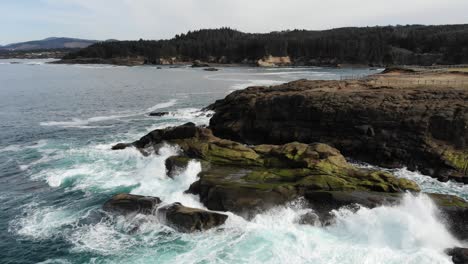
211 69
121 146
186 219
124 203
158 113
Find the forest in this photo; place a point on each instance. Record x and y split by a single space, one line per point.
383 45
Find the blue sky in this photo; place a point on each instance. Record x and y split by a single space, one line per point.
22 20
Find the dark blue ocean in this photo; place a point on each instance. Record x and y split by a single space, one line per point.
58 122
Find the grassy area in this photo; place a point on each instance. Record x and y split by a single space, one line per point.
459 69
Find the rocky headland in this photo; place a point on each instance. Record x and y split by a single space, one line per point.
377 120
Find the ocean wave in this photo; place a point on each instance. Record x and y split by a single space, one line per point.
84 123
249 83
407 233
16 147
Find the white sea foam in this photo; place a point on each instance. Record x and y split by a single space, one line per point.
432 185
16 148
407 233
42 222
167 104
84 123
427 183
249 83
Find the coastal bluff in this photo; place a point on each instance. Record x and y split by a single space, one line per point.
376 120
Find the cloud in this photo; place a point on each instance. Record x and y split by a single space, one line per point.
155 19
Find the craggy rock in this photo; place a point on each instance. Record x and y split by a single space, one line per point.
211 69
186 219
459 255
128 203
241 178
175 215
176 164
158 113
423 128
454 211
250 179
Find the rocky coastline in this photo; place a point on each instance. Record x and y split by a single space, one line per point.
423 128
268 146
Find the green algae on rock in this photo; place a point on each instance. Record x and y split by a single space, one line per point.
241 178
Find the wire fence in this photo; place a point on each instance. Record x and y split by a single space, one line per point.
436 67
413 81
422 82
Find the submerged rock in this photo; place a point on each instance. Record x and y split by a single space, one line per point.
425 129
186 219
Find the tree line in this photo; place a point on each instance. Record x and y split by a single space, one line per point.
388 45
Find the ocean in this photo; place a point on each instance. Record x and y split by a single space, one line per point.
58 123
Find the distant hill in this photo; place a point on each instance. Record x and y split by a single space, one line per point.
49 43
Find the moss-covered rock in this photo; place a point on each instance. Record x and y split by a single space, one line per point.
241 177
245 179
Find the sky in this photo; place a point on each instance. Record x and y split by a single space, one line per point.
23 20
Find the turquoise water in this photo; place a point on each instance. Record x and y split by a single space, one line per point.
58 122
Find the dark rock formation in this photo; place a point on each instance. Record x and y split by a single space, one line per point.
177 216
239 178
211 69
175 164
459 255
199 64
120 146
423 128
128 203
249 179
186 219
158 113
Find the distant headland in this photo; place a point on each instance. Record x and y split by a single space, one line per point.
369 46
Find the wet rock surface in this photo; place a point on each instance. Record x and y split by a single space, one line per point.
128 203
158 114
186 219
247 180
176 216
